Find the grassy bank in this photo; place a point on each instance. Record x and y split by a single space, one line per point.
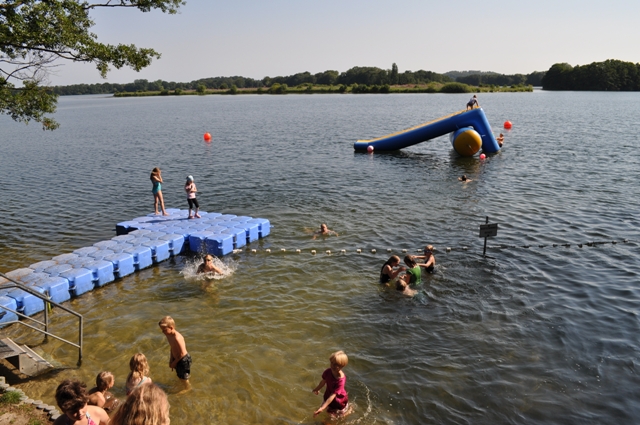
341 89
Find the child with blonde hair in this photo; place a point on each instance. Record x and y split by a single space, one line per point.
139 371
147 405
179 358
100 395
335 396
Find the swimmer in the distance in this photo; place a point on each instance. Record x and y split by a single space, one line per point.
324 231
207 266
464 179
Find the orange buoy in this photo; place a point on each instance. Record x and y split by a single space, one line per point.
507 125
207 137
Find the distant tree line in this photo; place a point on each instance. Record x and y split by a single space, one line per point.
610 75
362 76
494 79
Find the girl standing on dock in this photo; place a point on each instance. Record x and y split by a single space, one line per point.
156 180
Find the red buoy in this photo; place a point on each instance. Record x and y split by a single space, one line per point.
507 125
207 136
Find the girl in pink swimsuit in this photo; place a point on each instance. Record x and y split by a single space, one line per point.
72 399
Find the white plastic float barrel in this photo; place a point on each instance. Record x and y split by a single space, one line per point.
466 141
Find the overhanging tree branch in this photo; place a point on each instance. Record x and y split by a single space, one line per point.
36 33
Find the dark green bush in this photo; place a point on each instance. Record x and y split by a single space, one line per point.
455 88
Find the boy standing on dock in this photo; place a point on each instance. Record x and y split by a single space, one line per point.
180 360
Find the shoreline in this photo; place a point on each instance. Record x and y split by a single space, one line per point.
337 89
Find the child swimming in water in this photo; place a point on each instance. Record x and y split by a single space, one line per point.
324 231
207 266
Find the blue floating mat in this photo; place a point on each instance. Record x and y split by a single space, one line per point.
239 236
219 244
176 243
138 244
39 267
57 269
27 303
57 288
83 252
141 257
80 280
102 271
122 264
6 315
197 241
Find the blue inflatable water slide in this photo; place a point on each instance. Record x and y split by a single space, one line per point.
469 131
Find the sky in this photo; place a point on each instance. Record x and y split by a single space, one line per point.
258 38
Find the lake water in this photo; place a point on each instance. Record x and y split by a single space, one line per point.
538 335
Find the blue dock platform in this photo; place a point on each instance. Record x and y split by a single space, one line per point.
138 244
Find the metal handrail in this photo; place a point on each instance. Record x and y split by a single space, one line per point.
47 300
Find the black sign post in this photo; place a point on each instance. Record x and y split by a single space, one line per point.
487 231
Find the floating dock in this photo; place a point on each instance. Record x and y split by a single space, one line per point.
138 244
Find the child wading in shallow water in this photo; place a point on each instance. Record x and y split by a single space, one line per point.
336 400
139 371
179 359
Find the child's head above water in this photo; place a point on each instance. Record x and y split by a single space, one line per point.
393 261
409 261
104 381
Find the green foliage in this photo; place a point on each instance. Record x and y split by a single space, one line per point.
10 397
343 88
610 75
277 88
233 89
36 33
177 91
30 102
455 88
393 74
224 86
201 89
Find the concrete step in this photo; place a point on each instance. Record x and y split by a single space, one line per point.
24 358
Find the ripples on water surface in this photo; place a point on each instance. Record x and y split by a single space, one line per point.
530 336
